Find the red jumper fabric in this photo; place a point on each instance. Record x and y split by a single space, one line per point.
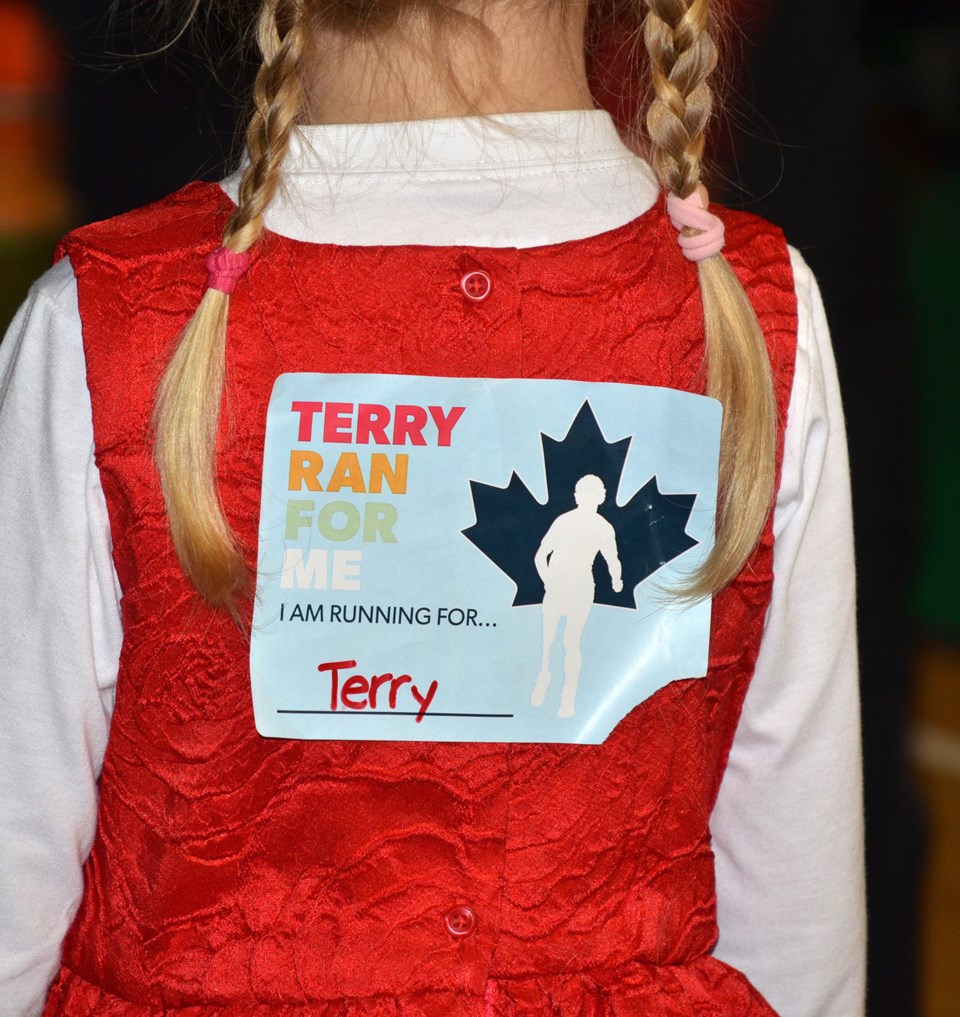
237 875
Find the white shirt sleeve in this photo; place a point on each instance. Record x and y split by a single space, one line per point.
60 636
788 823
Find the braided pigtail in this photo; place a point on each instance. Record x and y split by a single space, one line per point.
682 57
187 410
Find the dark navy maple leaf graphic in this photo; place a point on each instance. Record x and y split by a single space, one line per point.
511 523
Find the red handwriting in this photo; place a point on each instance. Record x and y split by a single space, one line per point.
357 692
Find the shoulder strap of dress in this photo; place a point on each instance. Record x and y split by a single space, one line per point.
189 220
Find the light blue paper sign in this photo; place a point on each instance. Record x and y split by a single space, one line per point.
474 559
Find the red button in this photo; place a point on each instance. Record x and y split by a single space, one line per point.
476 286
461 921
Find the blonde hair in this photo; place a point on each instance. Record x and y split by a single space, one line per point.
187 411
682 55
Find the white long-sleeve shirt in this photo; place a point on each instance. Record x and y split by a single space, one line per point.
787 828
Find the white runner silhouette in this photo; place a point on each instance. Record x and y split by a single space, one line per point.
565 562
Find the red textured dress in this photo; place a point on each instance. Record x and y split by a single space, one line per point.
238 875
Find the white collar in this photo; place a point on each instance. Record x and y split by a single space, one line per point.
458 145
514 180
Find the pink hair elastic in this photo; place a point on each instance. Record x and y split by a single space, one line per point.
225 268
691 213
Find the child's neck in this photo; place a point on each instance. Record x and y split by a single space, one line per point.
538 66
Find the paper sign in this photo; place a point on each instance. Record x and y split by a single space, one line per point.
472 559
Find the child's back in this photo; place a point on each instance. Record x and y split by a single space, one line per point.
232 870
